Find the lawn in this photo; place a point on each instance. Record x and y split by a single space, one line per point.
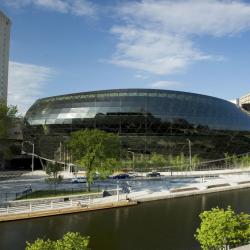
55 193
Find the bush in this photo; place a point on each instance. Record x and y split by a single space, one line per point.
70 241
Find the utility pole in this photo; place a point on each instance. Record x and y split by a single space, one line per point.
133 155
117 191
60 151
190 153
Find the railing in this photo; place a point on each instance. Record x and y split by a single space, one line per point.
33 205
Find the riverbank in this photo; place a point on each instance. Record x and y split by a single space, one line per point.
34 208
67 210
178 193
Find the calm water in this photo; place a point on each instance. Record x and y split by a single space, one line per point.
168 224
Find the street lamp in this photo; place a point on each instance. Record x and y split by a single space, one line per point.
117 191
190 153
133 155
33 152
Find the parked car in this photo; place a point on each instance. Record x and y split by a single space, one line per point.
81 179
153 174
133 174
121 176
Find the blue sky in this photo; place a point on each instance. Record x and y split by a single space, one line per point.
66 46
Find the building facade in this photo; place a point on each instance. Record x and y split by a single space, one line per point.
245 102
146 120
4 55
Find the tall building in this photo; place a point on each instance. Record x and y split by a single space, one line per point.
4 55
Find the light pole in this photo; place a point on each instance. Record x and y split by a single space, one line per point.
117 191
133 155
33 152
60 151
190 153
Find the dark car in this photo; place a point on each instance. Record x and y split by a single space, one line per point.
121 176
153 174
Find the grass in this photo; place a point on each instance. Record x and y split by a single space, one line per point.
54 193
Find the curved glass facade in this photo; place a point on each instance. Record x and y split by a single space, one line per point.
135 113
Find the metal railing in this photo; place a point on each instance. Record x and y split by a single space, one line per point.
34 205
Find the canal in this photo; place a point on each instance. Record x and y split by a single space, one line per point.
159 225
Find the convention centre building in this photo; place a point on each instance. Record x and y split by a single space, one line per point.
147 120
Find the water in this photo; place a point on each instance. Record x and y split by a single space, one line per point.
160 225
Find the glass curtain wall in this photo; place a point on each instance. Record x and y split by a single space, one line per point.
147 120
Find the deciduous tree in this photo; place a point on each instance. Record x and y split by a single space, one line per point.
95 151
52 170
70 241
220 229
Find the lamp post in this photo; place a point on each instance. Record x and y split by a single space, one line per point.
133 155
117 191
33 152
60 151
190 153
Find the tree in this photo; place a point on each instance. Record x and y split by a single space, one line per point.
95 150
220 229
179 162
70 241
157 160
52 170
8 115
195 161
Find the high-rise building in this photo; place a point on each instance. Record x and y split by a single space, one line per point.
5 24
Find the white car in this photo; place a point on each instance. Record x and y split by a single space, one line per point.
81 179
133 174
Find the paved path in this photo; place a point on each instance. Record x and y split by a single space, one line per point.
247 247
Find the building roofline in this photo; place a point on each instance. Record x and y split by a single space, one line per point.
245 96
131 90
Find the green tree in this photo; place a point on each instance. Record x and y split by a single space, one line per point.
220 229
195 161
70 241
227 159
235 160
52 170
8 115
157 160
95 150
179 162
245 161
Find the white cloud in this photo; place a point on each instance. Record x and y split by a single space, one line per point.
55 5
164 84
234 101
75 7
140 75
26 84
151 51
83 8
211 17
159 36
